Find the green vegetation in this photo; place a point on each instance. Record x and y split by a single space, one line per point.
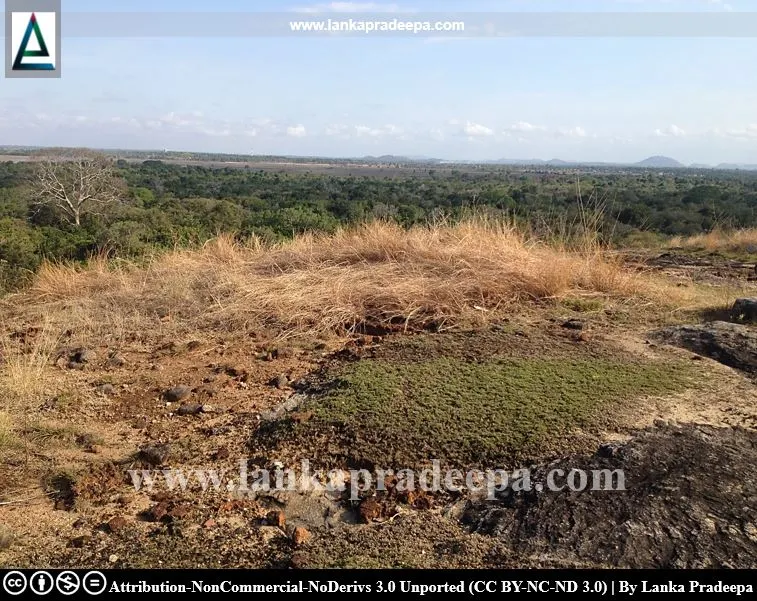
165 205
388 412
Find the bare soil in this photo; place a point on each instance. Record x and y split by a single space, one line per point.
67 499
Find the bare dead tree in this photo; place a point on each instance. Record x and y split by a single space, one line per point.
76 183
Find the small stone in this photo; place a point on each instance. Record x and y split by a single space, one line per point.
370 510
573 324
107 389
193 345
155 454
189 409
157 512
609 450
276 518
177 393
116 360
80 541
116 524
113 559
281 381
83 355
211 523
300 536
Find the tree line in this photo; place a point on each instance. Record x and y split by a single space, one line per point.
69 206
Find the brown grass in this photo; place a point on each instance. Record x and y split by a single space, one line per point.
378 273
734 241
23 377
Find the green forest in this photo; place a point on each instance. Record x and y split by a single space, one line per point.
162 205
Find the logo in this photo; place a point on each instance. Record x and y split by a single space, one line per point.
33 40
14 583
94 582
67 583
41 583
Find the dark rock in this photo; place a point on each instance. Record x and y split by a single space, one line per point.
573 324
609 450
83 355
155 454
80 542
189 409
75 365
193 345
732 344
744 310
687 502
177 393
158 512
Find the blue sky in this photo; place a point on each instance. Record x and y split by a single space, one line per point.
615 99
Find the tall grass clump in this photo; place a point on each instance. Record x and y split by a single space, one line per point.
441 274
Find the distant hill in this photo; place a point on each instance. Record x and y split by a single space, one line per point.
660 162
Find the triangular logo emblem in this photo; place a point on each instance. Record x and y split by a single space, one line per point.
18 63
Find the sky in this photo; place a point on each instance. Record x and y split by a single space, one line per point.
591 99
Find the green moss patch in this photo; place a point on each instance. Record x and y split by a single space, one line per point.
389 413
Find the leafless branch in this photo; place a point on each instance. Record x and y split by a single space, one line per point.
76 183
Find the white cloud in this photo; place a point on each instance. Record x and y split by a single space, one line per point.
297 131
525 127
476 130
672 131
378 132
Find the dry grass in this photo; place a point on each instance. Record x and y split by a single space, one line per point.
23 377
734 241
8 438
377 273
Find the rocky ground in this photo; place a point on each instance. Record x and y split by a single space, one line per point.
674 405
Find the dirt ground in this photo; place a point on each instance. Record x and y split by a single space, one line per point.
66 498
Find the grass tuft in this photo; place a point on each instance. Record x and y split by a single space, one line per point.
435 276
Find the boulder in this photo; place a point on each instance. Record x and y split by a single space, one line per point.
744 310
732 344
